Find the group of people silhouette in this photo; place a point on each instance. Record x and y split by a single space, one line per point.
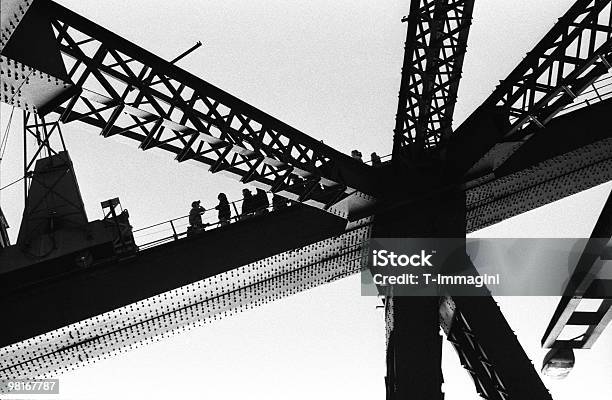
252 205
374 158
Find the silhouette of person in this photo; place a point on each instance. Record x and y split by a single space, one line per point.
278 202
195 215
248 206
224 209
375 160
261 202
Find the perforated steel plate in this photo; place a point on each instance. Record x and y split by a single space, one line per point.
186 307
544 183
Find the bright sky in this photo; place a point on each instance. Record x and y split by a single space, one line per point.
330 69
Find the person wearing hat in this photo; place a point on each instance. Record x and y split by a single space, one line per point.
195 215
356 154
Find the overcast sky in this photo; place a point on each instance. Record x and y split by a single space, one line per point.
332 70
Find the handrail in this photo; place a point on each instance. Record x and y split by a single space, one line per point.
206 227
598 92
601 91
183 216
233 203
175 230
173 234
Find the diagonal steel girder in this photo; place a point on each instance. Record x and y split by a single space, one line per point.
555 164
489 350
538 176
558 75
570 57
436 43
86 325
125 90
150 138
586 283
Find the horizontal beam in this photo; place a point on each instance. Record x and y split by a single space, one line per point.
599 289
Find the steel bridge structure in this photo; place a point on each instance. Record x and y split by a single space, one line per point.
542 135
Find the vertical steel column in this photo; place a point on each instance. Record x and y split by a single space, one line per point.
414 349
414 342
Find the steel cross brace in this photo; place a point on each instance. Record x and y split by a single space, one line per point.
125 90
489 350
486 344
48 143
487 347
570 57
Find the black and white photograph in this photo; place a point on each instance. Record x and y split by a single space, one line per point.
265 199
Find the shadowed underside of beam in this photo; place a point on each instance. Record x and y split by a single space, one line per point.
147 303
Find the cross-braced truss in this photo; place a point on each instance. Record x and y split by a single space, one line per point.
435 47
49 205
48 138
129 92
126 91
568 60
487 381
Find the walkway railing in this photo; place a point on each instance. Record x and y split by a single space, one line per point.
176 228
600 90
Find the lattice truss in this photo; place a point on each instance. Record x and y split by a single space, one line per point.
435 48
472 356
489 385
47 140
147 99
130 93
186 307
569 68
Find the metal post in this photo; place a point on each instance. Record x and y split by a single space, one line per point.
414 343
26 116
235 209
173 230
186 52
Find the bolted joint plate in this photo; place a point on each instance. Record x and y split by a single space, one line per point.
28 88
11 13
